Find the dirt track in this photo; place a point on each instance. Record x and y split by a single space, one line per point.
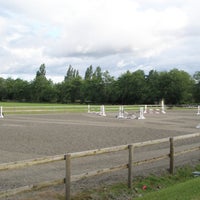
31 136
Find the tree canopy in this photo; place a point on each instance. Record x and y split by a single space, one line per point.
97 86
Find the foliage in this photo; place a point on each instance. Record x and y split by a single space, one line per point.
196 91
175 86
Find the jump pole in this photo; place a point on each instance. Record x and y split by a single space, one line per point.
102 111
141 113
198 113
162 107
1 112
121 112
145 109
88 108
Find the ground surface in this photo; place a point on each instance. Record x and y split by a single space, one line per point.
31 136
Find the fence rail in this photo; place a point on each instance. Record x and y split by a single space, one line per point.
65 108
70 156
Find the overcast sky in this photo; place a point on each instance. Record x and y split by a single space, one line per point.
117 35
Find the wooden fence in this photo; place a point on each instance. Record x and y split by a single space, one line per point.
70 156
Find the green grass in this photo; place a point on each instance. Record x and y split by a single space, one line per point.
31 108
188 190
41 108
181 186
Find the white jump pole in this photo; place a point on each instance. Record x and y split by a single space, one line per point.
88 108
145 109
121 112
162 107
1 112
102 111
198 112
141 113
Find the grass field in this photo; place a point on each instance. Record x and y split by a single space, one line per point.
25 108
39 108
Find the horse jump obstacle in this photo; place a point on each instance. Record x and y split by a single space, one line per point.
125 115
151 110
156 111
1 112
101 112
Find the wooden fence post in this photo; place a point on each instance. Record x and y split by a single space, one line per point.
171 154
67 176
130 164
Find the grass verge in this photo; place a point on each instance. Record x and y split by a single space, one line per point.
180 186
188 190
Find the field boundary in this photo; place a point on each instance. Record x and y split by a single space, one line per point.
18 109
70 156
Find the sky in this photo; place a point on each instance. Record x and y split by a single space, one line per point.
117 35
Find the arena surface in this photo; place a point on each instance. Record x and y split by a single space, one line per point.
25 137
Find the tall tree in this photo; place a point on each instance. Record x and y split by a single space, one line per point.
3 91
132 87
152 88
42 71
70 89
21 90
109 94
89 73
196 89
176 86
43 90
71 73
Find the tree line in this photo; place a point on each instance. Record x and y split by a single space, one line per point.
175 86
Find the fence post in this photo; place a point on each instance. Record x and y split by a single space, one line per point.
130 164
67 176
171 168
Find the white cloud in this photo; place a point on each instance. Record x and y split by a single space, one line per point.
120 34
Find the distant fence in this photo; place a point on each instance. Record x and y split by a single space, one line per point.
42 109
66 108
69 156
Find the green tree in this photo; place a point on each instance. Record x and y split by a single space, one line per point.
3 91
152 88
10 84
89 73
21 90
71 73
109 93
176 87
124 85
42 71
96 85
70 88
196 89
131 87
43 90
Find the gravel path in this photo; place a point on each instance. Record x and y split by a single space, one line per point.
31 136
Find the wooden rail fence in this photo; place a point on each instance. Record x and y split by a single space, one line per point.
69 156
